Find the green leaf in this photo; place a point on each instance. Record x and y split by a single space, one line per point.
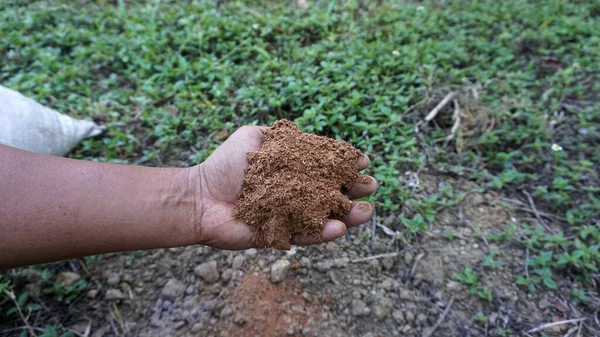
550 283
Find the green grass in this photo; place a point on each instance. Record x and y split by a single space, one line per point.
171 78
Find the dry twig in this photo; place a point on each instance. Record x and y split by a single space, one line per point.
441 319
12 296
549 325
414 267
439 107
535 211
374 257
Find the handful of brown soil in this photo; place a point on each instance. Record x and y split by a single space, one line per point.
294 185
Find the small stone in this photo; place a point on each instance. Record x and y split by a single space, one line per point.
335 278
227 274
398 316
30 275
453 286
475 246
389 220
179 325
410 317
34 290
226 312
406 328
386 284
113 279
305 331
422 318
290 331
405 295
298 309
544 303
208 271
332 247
250 252
172 290
383 308
408 257
359 308
166 305
388 263
196 328
462 242
356 294
92 294
238 262
240 319
305 262
279 270
368 334
67 278
114 294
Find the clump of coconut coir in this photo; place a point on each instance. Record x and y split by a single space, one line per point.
294 185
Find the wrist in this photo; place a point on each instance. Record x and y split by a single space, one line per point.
194 185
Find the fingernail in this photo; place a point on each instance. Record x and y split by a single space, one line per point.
364 206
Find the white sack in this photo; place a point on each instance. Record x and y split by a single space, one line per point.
28 125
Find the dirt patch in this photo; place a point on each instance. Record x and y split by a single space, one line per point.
294 185
266 309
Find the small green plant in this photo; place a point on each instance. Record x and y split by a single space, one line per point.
481 317
490 262
469 278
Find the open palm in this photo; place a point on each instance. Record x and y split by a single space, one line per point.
222 175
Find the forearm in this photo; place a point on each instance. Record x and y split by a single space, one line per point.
55 208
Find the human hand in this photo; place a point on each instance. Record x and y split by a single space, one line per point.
221 178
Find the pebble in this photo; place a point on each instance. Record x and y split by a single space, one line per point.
226 312
208 271
405 295
67 278
113 279
197 328
410 317
173 289
386 284
279 270
398 316
356 294
92 294
453 286
34 290
166 305
179 325
305 262
359 308
30 275
422 318
334 277
408 257
250 252
227 274
114 294
238 262
305 331
332 247
388 263
544 303
240 319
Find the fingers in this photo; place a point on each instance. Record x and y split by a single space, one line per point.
360 213
360 189
333 230
363 162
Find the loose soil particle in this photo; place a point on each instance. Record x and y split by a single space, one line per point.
294 183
